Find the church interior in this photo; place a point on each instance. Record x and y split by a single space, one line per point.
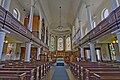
59 40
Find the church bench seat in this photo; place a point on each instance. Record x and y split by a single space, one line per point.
104 76
41 68
29 75
79 68
7 75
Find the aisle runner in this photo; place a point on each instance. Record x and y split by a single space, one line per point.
60 73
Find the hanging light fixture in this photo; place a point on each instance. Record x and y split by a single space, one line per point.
5 41
60 26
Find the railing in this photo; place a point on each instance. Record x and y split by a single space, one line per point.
108 25
8 22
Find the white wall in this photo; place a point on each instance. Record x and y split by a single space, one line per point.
16 4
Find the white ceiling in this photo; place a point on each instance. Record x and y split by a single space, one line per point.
51 9
69 10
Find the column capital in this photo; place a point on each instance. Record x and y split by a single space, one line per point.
91 43
32 3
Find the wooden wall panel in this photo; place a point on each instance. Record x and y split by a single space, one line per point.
22 54
35 23
33 54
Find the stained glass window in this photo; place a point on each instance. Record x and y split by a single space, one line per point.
68 44
60 44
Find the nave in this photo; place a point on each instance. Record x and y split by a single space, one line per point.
59 39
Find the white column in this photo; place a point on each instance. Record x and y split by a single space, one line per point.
89 17
2 36
28 45
40 28
81 29
114 4
38 53
45 35
39 48
71 41
28 50
31 16
40 31
118 37
92 52
49 40
6 4
64 44
56 41
82 53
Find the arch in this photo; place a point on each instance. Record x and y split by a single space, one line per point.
104 14
60 44
68 44
16 13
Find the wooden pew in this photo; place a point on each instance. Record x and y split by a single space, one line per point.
79 68
29 75
41 68
104 76
8 75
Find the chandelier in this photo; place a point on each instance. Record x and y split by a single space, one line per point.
60 26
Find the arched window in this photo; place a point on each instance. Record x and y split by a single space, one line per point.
16 13
52 43
60 44
68 44
104 13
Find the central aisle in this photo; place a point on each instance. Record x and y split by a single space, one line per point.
60 73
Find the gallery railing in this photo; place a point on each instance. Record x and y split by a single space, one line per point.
10 23
108 25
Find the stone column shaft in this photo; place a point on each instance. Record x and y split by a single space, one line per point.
114 4
92 52
2 36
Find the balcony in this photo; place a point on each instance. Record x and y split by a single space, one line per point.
108 25
9 23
